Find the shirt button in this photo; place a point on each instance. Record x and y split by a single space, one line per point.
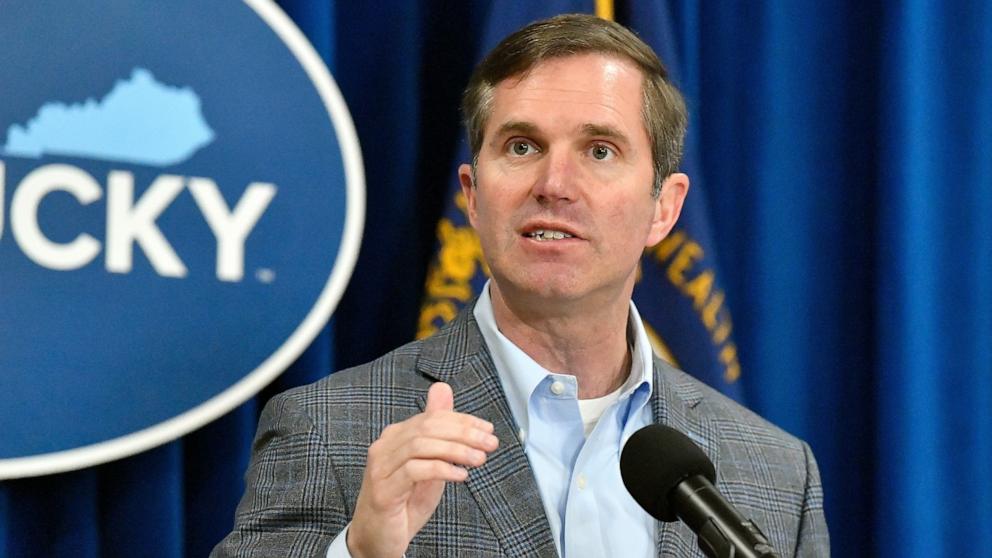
522 435
582 482
557 388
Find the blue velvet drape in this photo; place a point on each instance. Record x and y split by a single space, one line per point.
844 148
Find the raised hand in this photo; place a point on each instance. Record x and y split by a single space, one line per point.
406 471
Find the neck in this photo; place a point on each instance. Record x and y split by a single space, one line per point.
590 343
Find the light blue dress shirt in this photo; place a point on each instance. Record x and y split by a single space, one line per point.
590 511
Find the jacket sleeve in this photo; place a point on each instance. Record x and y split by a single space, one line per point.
293 504
813 539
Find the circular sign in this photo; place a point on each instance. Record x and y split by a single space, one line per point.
181 205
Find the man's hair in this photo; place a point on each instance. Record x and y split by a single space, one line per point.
663 109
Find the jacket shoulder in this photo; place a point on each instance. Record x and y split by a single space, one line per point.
382 391
768 473
732 421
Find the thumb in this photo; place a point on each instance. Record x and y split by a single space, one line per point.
440 398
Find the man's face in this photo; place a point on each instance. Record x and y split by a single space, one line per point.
563 204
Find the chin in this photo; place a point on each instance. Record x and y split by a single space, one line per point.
548 286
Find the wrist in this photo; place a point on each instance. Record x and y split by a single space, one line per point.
352 544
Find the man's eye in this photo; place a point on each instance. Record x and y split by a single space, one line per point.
521 148
602 152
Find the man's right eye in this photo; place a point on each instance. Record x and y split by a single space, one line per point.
521 148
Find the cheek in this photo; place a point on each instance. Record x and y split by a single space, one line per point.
631 212
492 228
630 226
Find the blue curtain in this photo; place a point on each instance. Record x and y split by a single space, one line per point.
848 180
934 300
843 147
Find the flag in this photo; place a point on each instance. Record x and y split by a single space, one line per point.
678 294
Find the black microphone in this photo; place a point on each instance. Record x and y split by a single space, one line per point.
671 478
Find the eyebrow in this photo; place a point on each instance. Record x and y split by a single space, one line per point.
603 131
516 127
588 129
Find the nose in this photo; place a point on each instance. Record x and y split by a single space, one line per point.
557 181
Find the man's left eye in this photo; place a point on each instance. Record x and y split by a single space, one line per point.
601 152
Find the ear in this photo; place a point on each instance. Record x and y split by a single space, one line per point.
468 189
668 207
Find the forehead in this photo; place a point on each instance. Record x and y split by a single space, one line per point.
572 92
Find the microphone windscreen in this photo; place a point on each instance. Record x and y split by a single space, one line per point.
656 459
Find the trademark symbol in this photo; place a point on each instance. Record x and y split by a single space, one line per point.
265 275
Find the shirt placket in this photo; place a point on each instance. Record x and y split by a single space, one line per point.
584 534
555 440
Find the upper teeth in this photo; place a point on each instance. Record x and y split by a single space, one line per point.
549 235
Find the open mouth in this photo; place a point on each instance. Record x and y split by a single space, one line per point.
544 235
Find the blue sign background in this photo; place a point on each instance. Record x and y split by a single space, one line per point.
87 355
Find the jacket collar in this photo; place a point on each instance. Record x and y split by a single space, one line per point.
674 403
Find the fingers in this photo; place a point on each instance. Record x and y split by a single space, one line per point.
397 464
439 424
445 425
446 436
438 434
421 470
443 450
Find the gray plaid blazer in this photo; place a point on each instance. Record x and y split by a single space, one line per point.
310 450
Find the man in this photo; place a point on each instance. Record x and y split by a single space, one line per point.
501 434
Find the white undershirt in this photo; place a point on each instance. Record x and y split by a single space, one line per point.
592 409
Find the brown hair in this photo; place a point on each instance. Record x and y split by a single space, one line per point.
663 110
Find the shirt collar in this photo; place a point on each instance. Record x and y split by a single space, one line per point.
520 374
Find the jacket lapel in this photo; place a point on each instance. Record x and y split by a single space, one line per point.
673 403
504 487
